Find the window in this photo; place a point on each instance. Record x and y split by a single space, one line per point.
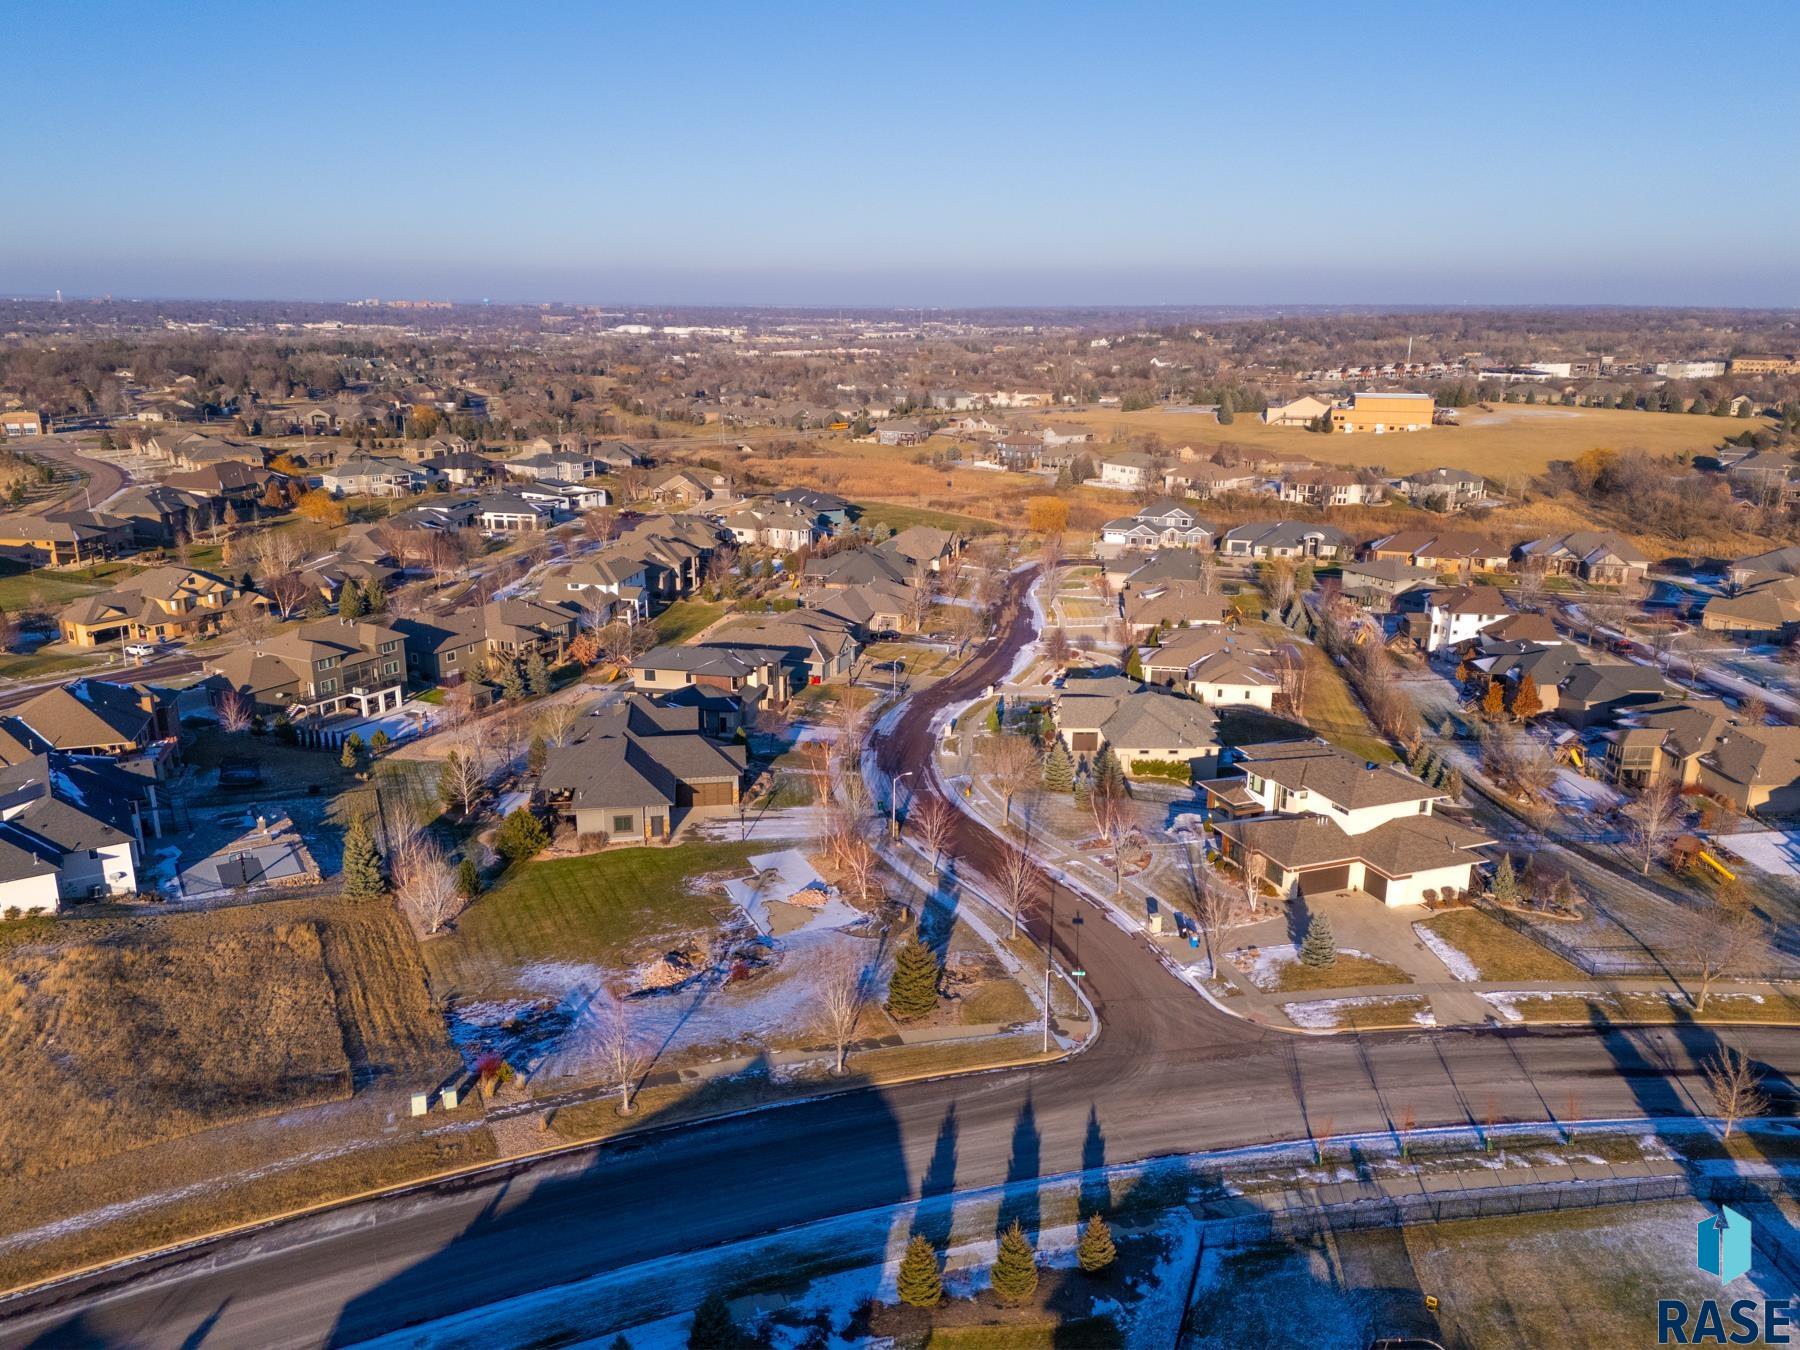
623 824
389 646
391 668
327 686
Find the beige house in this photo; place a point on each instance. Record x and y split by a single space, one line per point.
1299 412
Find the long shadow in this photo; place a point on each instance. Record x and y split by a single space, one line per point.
1095 1193
1024 1165
933 1221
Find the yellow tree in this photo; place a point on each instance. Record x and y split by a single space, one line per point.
1047 515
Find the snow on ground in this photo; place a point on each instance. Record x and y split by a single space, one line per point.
1459 965
794 822
780 877
1326 1013
1588 793
1507 1004
1264 970
1776 852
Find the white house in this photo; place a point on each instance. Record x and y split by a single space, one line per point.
1129 470
1443 619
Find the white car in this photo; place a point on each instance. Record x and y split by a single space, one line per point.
141 650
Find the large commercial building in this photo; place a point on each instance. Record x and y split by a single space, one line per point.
1380 413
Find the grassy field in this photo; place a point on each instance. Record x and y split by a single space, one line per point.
1513 437
1347 972
1333 712
132 1030
681 620
47 588
608 908
1498 952
897 517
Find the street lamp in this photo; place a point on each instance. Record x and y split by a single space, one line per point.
894 802
1049 955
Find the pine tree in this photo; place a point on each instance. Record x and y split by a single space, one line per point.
1303 579
1505 887
351 604
468 879
379 741
1526 702
536 756
522 836
1015 1273
1109 777
347 760
921 1282
447 780
1095 1251
713 1328
1453 784
1059 768
362 863
1319 948
537 675
374 596
1134 664
1493 703
512 682
912 993
1420 757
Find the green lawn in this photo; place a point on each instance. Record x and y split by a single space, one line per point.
681 620
611 908
35 665
897 518
21 590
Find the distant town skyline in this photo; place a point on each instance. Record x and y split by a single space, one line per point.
1394 154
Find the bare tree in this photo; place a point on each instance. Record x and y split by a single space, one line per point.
622 1054
1291 672
288 590
843 994
1276 577
1015 765
425 887
1717 946
857 856
598 523
235 711
463 777
1255 868
1113 822
1211 900
1653 816
1736 1087
556 722
935 821
1020 880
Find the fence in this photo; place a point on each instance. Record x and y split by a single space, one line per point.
1625 958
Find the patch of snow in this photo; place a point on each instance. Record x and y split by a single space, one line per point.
1326 1013
1506 1003
1459 965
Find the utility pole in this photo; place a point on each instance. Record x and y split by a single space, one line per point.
1049 951
894 803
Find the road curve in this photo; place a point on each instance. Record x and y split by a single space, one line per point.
1169 1074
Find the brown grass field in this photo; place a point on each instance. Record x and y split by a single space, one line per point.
1512 438
123 1032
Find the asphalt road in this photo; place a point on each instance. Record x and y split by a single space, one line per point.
1168 1075
103 479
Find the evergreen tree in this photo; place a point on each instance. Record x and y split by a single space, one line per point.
351 604
1453 784
912 993
1227 409
522 836
921 1282
362 863
1319 947
1303 579
1059 768
1015 1273
1420 757
1108 776
713 1328
347 760
375 598
1505 887
537 675
1095 1251
315 606
1134 664
1526 702
447 780
468 879
379 741
512 682
536 756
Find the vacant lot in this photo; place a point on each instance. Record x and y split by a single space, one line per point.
681 620
45 588
133 1030
1512 438
608 909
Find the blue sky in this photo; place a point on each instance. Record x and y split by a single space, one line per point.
855 153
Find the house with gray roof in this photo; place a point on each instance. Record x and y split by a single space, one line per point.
1284 539
70 829
1145 726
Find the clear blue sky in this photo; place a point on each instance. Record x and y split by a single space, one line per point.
856 153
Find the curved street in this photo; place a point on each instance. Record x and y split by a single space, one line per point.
1168 1074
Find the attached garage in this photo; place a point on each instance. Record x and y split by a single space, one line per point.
1323 880
1374 883
704 794
1084 742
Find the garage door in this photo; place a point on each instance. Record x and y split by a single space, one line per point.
1374 883
1085 741
703 794
1325 879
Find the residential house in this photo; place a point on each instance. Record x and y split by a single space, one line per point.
1592 693
613 584
462 468
1595 556
191 450
827 508
21 422
1440 551
564 497
755 677
1213 480
1166 522
1217 667
854 567
63 538
1379 413
1444 618
162 604
1379 582
772 526
556 466
70 829
1769 604
1330 487
1784 561
1662 742
876 608
1127 470
631 771
1145 726
239 488
1443 489
903 432
374 476
680 487
161 517
1326 821
1771 476
921 548
1755 768
504 513
814 646
320 669
1174 604
440 648
1284 539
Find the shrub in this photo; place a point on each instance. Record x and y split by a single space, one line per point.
522 836
1171 770
593 841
